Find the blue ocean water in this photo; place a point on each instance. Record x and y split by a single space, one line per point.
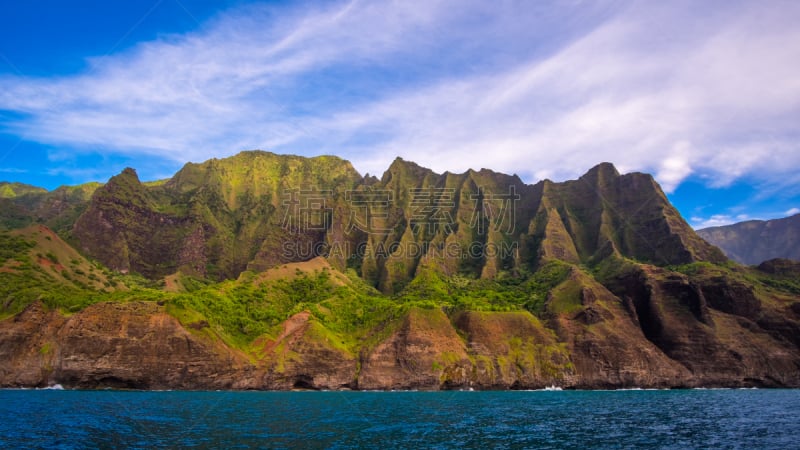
545 419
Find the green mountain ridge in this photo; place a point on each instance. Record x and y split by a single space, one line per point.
13 190
57 209
225 216
264 271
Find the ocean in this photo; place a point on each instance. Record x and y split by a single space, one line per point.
63 419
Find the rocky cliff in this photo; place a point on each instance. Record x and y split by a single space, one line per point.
132 345
263 271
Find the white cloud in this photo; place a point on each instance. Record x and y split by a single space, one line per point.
716 220
541 91
220 89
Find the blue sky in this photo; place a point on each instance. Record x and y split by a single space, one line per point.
704 95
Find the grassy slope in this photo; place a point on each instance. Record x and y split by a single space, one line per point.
37 265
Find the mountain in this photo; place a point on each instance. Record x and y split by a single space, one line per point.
265 271
211 219
22 205
222 217
755 241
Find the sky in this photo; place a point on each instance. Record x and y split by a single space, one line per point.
703 95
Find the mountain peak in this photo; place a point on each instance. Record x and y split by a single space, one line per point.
601 173
605 167
403 169
128 175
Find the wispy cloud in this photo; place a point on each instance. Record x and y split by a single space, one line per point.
12 170
793 211
544 91
718 220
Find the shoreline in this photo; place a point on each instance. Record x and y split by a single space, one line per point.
548 389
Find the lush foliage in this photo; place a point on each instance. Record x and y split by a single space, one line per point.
507 292
13 247
245 309
701 271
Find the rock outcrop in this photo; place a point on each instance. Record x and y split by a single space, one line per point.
424 352
305 356
513 350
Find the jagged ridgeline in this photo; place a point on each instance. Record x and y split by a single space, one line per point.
265 271
258 210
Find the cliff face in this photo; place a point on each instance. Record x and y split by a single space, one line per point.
415 281
716 327
596 344
133 345
301 357
756 241
123 228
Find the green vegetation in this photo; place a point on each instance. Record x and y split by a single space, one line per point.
348 313
703 271
31 270
22 205
13 247
525 291
46 348
37 267
243 310
12 190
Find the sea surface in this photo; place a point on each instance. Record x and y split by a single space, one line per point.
542 419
